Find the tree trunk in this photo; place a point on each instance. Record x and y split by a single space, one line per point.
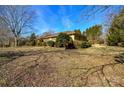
15 41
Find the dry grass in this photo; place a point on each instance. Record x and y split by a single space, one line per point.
39 66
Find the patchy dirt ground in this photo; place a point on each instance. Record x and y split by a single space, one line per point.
44 67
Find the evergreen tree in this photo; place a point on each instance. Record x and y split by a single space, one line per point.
78 35
93 33
64 40
116 31
33 39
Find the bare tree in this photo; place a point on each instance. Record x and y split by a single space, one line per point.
48 33
18 19
5 36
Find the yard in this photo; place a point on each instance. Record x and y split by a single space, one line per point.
56 67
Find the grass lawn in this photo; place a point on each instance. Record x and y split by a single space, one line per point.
45 66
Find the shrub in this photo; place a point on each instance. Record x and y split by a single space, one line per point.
40 42
63 40
33 43
70 46
112 39
28 43
51 43
85 44
115 33
22 42
77 43
44 43
121 44
100 41
33 39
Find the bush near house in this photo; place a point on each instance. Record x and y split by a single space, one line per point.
44 44
77 43
64 40
85 44
70 46
121 44
51 43
40 42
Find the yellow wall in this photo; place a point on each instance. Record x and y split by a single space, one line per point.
72 36
48 39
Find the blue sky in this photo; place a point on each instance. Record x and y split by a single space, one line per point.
68 18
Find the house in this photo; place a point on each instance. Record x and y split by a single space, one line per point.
53 37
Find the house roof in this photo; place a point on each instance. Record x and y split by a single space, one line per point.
56 34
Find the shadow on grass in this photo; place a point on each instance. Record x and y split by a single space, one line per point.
7 57
120 58
11 54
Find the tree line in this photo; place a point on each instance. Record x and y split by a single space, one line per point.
85 39
17 20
